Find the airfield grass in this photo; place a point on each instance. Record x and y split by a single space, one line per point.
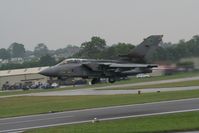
132 80
18 106
151 124
160 85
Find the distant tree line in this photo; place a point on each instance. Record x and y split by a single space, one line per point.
174 52
45 60
97 48
16 50
40 56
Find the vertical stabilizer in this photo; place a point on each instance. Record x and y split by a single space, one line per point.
139 53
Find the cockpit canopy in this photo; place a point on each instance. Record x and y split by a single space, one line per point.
78 61
72 61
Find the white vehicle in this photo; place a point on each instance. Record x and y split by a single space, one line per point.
54 85
142 75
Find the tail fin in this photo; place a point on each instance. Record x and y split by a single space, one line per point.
139 53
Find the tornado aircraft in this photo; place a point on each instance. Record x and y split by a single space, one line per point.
130 64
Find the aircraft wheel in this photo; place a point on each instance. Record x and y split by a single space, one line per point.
111 80
95 80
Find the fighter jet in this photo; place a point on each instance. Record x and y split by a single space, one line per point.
127 65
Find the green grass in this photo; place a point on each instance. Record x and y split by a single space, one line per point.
132 80
160 85
151 124
18 106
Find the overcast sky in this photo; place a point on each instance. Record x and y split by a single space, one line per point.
60 22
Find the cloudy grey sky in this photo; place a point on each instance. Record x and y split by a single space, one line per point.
60 22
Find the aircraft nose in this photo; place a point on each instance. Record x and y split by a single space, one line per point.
46 72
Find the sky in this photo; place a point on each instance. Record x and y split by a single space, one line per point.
58 23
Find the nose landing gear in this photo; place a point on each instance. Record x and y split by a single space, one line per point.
95 80
111 80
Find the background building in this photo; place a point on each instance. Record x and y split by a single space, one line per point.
195 61
22 76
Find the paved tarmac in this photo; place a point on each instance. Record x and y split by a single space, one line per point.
148 83
77 92
107 113
110 92
101 91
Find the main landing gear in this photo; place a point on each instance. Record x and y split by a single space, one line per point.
97 80
111 80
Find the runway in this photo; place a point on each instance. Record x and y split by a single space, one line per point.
107 113
149 83
102 90
110 92
77 92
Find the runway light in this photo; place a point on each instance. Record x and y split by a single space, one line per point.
139 92
51 111
95 120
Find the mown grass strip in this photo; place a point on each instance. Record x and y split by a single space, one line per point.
151 124
18 106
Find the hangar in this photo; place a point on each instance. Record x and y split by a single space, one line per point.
22 76
195 61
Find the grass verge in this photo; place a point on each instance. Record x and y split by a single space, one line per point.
18 106
150 124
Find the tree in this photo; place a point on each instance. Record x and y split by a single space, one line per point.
68 51
17 50
4 54
175 52
115 50
92 49
47 60
41 50
29 53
